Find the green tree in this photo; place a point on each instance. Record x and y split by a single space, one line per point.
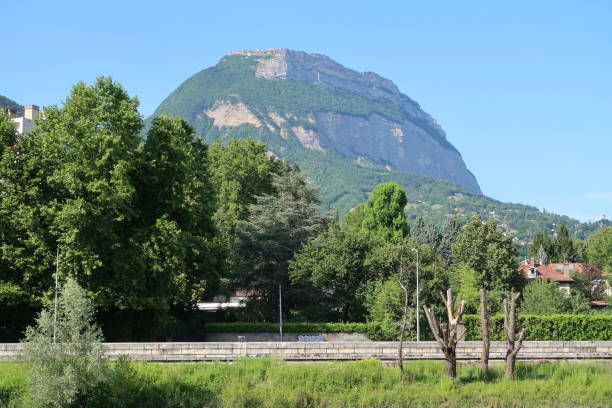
274 231
544 297
240 171
132 219
542 242
384 212
65 354
450 231
580 249
8 135
336 262
468 288
485 249
564 248
600 249
174 229
426 234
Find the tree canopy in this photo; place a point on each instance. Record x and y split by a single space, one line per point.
600 248
492 255
383 213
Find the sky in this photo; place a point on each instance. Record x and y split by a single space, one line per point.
523 89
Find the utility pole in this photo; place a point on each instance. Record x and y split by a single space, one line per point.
55 301
280 311
417 294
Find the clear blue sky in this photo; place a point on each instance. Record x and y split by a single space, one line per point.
524 90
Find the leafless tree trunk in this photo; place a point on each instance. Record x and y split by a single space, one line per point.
404 325
514 343
486 341
446 333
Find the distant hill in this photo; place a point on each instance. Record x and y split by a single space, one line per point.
348 130
10 104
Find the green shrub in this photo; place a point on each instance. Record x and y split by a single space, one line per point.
67 370
550 327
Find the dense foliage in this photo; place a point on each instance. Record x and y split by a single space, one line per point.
274 231
484 248
64 352
543 297
556 327
600 249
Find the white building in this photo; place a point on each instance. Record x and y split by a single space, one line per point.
26 122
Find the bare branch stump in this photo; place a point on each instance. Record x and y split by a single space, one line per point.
514 342
446 333
486 341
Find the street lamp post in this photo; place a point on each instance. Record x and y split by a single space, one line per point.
280 311
417 293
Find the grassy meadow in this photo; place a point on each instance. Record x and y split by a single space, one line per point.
273 383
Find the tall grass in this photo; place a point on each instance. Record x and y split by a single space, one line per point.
367 383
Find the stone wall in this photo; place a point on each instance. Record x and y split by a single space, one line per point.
295 351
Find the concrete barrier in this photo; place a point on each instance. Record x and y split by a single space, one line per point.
312 351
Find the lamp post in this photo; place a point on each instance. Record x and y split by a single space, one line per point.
280 311
417 293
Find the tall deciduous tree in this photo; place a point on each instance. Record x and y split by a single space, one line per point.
276 228
600 248
132 220
240 171
485 249
383 213
336 262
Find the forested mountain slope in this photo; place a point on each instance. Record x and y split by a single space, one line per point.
348 130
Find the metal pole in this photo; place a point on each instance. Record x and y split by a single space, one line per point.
55 301
417 290
280 311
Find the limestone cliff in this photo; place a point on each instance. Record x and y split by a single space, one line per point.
415 143
321 105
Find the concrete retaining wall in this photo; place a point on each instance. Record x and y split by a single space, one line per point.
467 350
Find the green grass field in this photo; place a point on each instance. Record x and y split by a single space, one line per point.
271 383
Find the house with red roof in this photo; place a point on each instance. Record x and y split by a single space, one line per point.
561 273
549 272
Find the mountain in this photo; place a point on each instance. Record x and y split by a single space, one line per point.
6 103
348 130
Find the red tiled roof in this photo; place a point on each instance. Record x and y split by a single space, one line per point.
545 271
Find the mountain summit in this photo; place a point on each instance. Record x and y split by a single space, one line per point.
325 107
348 131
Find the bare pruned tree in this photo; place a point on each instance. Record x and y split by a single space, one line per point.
486 341
514 342
404 324
446 334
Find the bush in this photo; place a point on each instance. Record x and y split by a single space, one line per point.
542 297
65 372
550 327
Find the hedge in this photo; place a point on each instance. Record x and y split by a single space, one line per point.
302 327
538 327
561 327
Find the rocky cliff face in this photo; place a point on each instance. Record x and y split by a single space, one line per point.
413 143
